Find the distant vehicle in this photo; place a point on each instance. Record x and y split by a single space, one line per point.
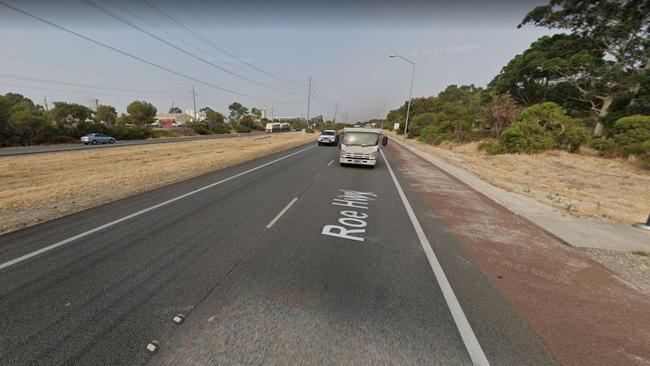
157 124
277 127
328 137
97 138
361 146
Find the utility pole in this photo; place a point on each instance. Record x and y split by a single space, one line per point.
308 101
383 111
194 97
47 109
336 108
272 118
408 108
96 104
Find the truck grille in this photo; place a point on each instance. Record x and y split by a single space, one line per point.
357 156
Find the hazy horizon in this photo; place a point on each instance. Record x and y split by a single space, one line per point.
271 48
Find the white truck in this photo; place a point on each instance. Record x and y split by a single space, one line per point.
277 127
361 146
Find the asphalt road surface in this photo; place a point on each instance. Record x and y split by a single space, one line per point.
289 259
11 151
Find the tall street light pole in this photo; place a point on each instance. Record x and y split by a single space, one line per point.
383 111
408 107
308 101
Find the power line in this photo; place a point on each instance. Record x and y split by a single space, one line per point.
85 92
115 49
180 49
160 14
130 77
212 44
57 82
161 29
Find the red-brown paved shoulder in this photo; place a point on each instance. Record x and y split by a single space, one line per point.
582 312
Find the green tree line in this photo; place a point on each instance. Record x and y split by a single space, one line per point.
22 122
587 85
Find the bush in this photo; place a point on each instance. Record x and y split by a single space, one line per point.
164 133
121 132
200 127
572 138
242 129
632 134
491 147
601 144
524 137
220 131
432 135
542 127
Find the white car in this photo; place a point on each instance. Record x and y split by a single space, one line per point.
328 137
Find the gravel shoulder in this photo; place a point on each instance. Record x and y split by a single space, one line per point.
35 188
633 267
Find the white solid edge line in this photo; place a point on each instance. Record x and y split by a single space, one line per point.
277 217
472 345
138 213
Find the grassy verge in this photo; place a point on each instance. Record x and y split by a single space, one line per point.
582 184
35 188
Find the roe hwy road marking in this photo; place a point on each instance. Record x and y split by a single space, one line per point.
351 219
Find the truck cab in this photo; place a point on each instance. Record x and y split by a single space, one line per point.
360 146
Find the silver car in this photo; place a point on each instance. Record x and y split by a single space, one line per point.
97 138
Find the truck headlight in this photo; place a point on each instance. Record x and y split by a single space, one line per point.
373 155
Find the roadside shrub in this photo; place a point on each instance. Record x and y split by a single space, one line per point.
121 132
200 127
601 144
632 134
220 131
524 137
163 133
242 129
433 135
542 127
572 138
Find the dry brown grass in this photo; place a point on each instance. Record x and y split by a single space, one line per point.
583 184
39 187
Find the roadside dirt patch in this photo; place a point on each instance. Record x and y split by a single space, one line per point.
583 185
35 188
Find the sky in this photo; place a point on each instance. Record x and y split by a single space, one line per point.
260 54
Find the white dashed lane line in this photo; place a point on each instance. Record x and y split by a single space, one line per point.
276 218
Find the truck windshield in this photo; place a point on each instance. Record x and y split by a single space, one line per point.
360 138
